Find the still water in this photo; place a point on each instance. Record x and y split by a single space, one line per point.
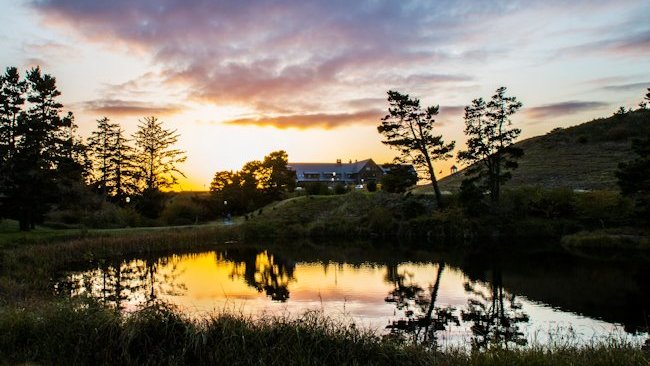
445 298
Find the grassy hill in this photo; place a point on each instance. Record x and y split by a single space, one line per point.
580 157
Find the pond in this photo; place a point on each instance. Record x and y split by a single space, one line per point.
444 298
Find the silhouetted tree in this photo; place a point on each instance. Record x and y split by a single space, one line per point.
281 179
398 178
255 185
112 160
410 130
645 103
490 152
12 99
43 148
12 90
156 164
157 160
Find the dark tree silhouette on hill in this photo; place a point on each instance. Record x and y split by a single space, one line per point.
490 152
411 130
645 103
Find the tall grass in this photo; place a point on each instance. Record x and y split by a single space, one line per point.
85 333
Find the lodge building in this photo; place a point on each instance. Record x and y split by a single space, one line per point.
358 172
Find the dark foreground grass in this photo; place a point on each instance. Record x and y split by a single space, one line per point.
85 333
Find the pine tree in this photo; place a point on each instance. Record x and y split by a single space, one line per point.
12 90
112 160
43 146
490 154
157 161
410 130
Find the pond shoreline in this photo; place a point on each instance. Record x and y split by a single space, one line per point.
87 333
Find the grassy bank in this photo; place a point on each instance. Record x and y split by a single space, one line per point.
524 215
87 334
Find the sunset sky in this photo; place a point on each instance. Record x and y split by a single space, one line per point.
239 79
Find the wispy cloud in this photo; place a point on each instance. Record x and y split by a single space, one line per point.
322 120
562 109
628 87
129 108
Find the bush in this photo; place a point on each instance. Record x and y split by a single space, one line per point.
340 189
180 211
317 188
602 208
371 186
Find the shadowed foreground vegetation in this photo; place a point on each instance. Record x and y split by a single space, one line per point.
84 333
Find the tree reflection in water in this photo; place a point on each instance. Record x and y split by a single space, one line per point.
422 319
118 282
261 270
495 315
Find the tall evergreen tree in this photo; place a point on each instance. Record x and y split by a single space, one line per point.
157 161
490 154
12 100
112 160
124 168
411 131
101 147
43 145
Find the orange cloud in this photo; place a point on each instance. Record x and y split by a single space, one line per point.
322 120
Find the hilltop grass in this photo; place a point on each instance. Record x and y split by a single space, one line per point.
579 157
85 333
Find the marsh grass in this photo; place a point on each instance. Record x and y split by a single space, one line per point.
82 332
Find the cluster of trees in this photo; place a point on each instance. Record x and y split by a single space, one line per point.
45 165
256 184
410 128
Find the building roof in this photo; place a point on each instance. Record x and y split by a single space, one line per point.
338 168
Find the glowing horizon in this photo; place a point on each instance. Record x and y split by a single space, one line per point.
241 80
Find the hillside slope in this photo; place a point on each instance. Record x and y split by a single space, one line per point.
580 157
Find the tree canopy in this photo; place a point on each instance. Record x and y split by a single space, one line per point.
490 153
410 129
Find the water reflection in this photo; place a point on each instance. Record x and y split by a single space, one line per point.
471 300
494 314
422 319
261 270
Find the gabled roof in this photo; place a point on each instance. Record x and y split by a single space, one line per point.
342 168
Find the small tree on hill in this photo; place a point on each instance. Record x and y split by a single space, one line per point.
645 103
411 130
490 152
